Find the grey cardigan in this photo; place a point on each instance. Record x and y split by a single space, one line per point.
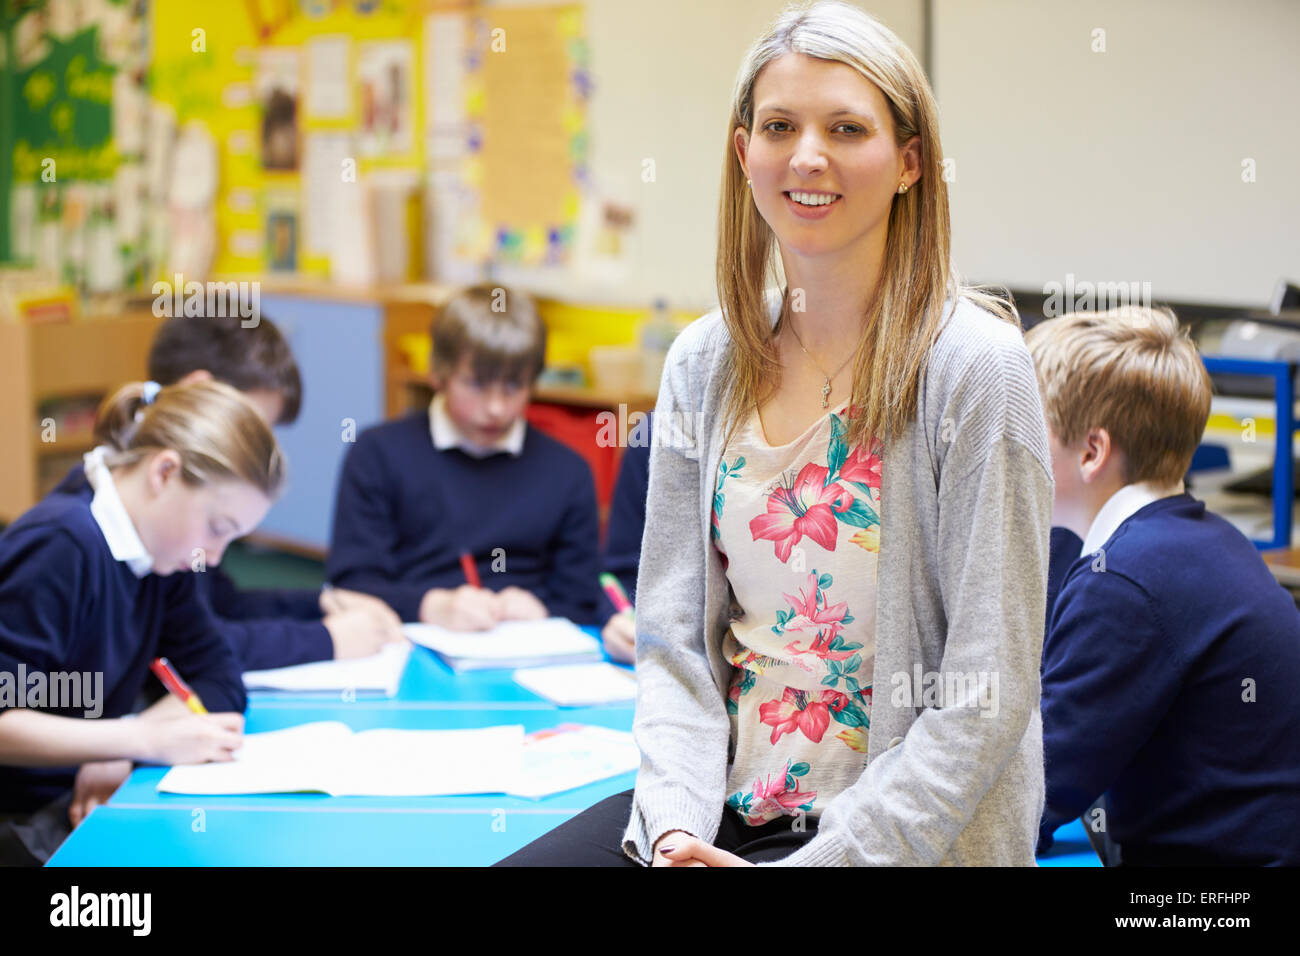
966 499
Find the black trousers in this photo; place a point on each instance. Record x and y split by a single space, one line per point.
30 839
595 838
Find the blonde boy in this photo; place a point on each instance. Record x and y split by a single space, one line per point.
1172 655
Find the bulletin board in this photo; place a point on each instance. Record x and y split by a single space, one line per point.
301 98
71 89
526 87
247 119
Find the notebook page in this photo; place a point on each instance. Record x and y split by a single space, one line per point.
573 758
293 760
378 673
572 685
552 637
401 763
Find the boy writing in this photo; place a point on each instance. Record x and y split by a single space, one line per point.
468 476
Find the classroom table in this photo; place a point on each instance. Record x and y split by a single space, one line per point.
141 827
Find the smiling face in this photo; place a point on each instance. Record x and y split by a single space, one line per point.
822 157
175 519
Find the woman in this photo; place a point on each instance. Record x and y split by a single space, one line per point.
841 518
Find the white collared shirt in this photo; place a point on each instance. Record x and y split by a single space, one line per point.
110 514
446 435
1121 506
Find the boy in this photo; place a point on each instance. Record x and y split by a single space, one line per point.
267 628
1168 628
468 476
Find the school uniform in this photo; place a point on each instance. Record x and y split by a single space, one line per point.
1169 677
267 627
77 596
627 518
414 494
1062 551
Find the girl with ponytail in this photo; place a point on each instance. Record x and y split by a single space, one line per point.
96 582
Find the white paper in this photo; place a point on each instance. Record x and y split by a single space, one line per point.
574 758
379 673
328 92
322 184
510 644
574 685
327 757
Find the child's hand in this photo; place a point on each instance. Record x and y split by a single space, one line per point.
682 849
619 637
338 599
520 605
193 738
360 632
464 609
95 783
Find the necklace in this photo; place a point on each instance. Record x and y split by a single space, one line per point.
826 385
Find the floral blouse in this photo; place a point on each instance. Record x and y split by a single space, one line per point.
798 527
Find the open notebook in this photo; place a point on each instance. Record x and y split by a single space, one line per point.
378 674
555 640
327 757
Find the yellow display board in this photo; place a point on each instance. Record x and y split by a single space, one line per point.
293 93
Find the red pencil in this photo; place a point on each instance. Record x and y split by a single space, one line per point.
471 572
172 681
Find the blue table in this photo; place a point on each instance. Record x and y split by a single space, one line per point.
141 827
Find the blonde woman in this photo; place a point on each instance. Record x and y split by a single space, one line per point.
93 586
842 584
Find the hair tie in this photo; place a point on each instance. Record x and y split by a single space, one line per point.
150 392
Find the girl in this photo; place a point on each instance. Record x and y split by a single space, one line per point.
831 510
90 594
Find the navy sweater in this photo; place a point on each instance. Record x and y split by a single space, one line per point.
406 511
67 606
627 521
267 628
1145 668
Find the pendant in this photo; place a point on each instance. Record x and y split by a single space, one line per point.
826 393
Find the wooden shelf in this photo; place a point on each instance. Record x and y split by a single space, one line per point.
92 355
71 444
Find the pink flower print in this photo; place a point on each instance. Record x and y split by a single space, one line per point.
806 507
828 620
863 467
777 797
794 711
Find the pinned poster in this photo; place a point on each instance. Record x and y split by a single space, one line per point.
527 81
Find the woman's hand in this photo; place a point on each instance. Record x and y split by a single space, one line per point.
619 638
95 783
678 848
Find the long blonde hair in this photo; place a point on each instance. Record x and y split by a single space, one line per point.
217 432
906 311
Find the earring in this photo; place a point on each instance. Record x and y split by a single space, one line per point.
902 188
751 183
